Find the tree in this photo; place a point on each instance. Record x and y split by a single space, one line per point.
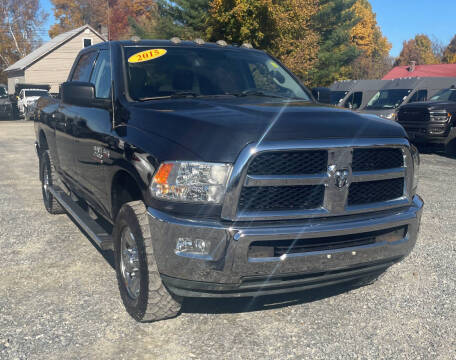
374 61
182 18
334 22
19 24
72 14
128 17
419 50
449 54
283 28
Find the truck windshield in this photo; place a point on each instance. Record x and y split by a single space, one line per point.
197 72
445 95
36 93
337 96
388 99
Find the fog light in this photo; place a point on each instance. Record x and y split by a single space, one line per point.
392 236
193 246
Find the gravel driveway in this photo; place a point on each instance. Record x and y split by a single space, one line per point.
59 297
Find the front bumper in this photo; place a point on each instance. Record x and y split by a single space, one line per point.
435 133
227 270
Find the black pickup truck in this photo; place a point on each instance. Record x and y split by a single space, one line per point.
211 172
432 122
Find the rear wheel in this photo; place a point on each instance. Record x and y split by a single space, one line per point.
143 293
49 178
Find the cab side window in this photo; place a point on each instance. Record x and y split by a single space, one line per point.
101 76
84 67
420 95
355 100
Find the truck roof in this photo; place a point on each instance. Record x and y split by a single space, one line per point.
171 43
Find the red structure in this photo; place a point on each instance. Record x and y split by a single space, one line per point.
412 70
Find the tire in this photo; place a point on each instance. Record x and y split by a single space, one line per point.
450 148
143 293
49 177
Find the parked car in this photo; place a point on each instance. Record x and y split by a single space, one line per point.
6 107
433 121
397 92
218 175
27 98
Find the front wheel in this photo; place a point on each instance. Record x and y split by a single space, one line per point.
143 293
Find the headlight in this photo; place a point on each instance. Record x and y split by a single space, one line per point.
391 116
416 167
439 115
191 182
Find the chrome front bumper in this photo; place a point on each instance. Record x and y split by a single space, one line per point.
228 271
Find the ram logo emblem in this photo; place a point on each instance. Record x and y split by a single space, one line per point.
341 178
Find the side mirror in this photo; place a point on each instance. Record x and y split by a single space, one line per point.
82 94
78 93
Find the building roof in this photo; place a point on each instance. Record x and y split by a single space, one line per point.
440 70
48 47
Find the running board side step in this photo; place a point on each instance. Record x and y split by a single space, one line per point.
96 232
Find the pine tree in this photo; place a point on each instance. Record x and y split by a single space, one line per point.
182 18
334 22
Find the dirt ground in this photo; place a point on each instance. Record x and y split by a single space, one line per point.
60 298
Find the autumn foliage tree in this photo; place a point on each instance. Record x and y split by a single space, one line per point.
449 54
283 28
374 61
127 15
71 14
419 50
19 24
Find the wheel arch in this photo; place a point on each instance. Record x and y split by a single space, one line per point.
125 187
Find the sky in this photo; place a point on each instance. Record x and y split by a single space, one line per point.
399 20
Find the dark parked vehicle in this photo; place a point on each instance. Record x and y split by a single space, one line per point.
386 102
6 106
433 121
212 173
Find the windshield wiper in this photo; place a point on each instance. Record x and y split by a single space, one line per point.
257 93
176 95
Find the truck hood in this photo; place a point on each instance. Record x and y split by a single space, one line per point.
430 105
218 129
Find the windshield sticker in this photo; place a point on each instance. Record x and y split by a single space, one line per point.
146 55
274 64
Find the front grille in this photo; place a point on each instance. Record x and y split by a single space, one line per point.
290 163
413 115
280 198
277 248
375 191
302 183
377 159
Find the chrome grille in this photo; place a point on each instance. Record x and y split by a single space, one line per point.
290 163
377 159
360 176
267 198
375 191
